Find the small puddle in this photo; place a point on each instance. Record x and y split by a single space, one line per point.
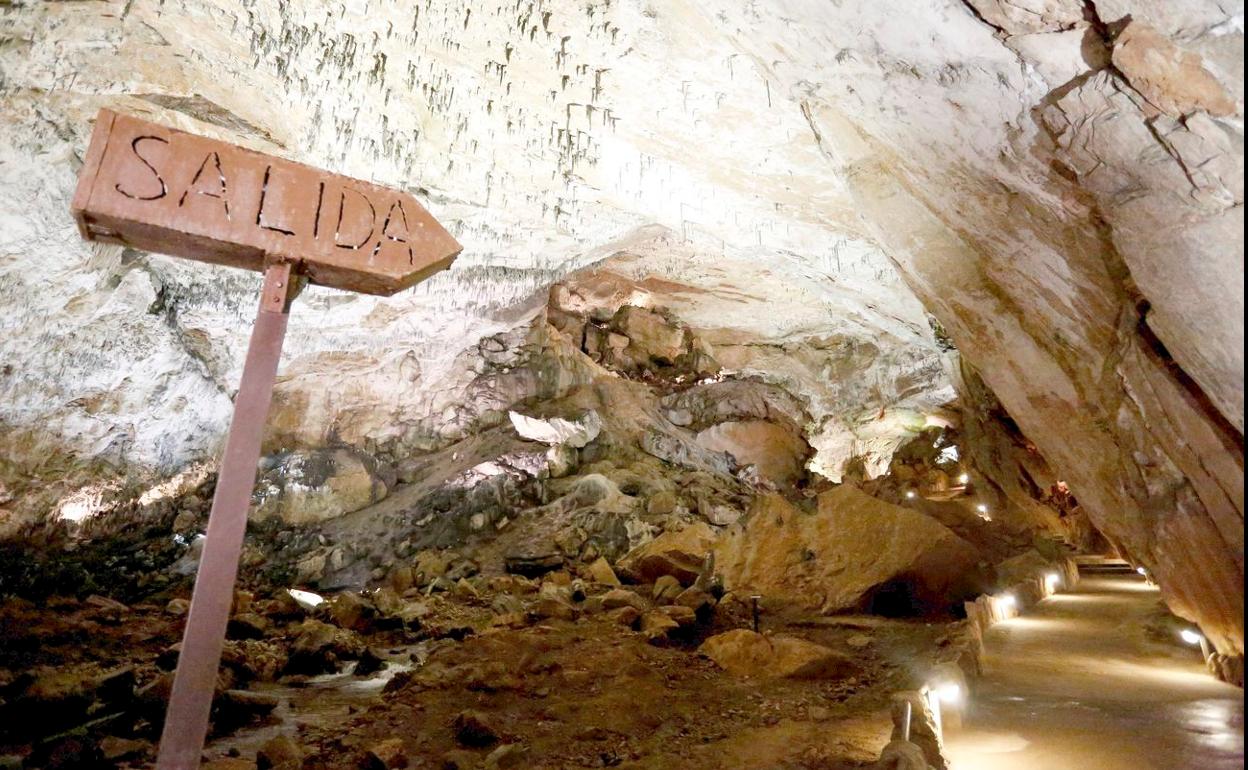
319 701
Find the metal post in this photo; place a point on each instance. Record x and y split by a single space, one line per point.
754 603
186 721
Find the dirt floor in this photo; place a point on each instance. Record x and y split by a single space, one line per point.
540 683
1094 679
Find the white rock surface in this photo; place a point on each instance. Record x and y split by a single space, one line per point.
557 431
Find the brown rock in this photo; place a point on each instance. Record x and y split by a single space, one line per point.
626 616
696 599
248 625
684 616
657 626
113 748
661 503
507 757
599 571
387 755
777 452
281 752
229 763
473 729
744 653
666 589
679 554
550 607
836 559
622 597
352 611
1173 80
401 578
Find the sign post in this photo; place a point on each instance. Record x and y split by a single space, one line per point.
159 189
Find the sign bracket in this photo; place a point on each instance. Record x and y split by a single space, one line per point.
194 684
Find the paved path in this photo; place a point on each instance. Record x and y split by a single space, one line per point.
1080 683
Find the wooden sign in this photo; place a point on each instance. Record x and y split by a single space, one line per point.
159 189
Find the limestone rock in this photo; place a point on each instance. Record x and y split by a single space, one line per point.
835 559
387 755
778 453
666 588
558 431
474 729
312 486
1027 16
744 653
657 626
599 571
679 554
280 752
1170 78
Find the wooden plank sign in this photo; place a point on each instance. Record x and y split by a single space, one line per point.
159 189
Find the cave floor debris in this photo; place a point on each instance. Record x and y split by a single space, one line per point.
1087 681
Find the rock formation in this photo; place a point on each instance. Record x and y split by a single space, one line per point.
785 298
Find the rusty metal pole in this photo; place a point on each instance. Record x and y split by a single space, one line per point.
186 721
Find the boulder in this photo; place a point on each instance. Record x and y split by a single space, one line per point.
599 571
657 626
474 730
679 554
557 431
622 597
351 611
666 588
507 757
386 755
855 552
310 486
747 654
319 647
281 752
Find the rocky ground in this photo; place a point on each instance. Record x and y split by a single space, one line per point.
566 580
506 671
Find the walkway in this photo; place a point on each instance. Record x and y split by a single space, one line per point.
1082 683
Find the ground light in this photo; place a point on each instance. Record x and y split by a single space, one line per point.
949 692
982 509
1195 638
910 495
1052 581
941 695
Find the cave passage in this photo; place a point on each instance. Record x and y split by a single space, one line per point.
1085 681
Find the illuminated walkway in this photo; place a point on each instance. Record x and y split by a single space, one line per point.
1081 683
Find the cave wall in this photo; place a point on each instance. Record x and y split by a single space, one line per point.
1059 183
1112 209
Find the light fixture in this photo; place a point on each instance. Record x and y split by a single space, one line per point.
1190 636
910 494
981 508
949 692
1142 571
1052 580
965 478
1008 601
